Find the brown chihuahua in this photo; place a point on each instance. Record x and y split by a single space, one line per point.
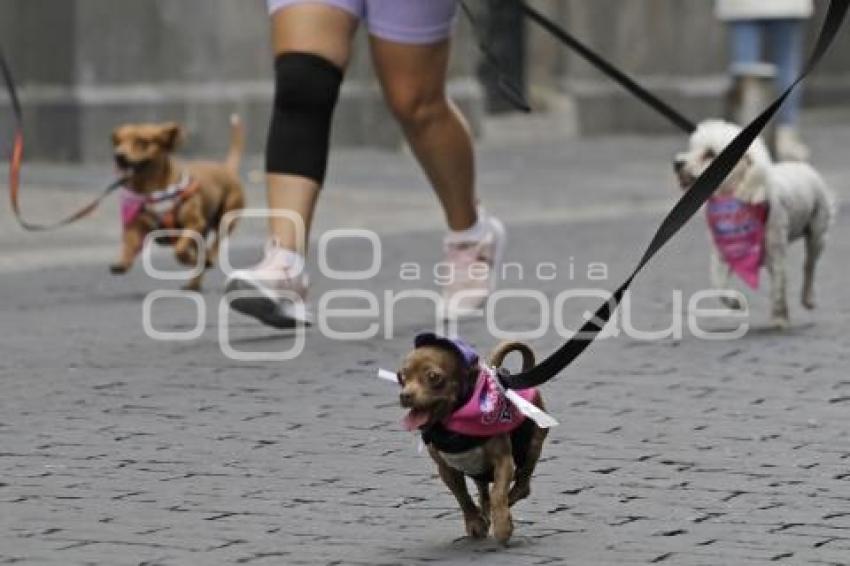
162 193
471 429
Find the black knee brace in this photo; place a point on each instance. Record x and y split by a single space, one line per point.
306 92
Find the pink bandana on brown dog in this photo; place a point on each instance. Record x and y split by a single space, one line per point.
488 412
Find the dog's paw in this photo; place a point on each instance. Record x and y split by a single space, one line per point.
118 269
187 256
477 526
191 286
503 530
780 322
809 303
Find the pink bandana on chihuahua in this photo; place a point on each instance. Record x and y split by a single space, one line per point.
738 229
488 412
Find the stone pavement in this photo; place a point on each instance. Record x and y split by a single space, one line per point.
117 449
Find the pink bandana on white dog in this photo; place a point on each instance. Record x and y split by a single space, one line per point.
738 230
488 412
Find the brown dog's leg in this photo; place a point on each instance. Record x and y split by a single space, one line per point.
498 450
476 524
522 477
186 251
522 483
234 200
484 498
194 284
131 244
212 249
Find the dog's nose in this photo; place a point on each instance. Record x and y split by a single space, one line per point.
121 161
406 399
679 164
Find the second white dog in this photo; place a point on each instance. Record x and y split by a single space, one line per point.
795 201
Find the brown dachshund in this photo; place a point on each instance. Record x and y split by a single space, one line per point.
164 193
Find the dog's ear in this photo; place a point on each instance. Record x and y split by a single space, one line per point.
170 136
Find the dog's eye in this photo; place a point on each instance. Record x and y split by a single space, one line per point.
435 378
709 154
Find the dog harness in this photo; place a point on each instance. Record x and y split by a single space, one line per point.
738 229
485 414
163 205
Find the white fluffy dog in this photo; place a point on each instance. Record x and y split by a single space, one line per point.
796 199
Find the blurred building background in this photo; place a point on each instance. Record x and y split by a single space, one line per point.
85 66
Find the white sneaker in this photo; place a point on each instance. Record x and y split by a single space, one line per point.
789 146
475 270
274 291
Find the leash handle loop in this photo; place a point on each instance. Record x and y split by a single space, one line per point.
17 159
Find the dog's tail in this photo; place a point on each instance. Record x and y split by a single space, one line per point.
497 357
237 144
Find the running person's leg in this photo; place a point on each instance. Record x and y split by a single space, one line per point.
788 38
324 29
414 81
312 46
410 47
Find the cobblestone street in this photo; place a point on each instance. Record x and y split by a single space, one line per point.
118 449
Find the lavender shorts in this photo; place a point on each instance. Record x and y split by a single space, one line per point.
417 22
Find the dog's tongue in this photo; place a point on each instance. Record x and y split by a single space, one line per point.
415 420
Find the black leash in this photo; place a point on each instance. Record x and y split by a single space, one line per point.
16 162
513 94
676 117
684 210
